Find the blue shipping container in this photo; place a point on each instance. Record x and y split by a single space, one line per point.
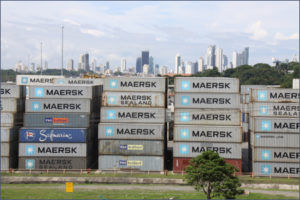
53 135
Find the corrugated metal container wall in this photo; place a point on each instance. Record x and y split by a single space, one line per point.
10 91
276 169
276 125
58 105
275 139
244 98
53 149
131 147
275 95
52 163
64 92
208 117
207 100
74 120
246 89
276 154
8 134
207 84
245 117
274 109
132 115
131 131
193 149
207 133
245 108
10 119
35 79
8 105
4 163
134 99
5 149
245 127
295 83
142 163
72 135
78 81
135 84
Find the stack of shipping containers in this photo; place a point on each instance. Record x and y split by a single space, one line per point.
207 117
60 127
274 126
12 107
132 125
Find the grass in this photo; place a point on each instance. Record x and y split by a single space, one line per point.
42 191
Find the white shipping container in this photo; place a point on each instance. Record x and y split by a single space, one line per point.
208 117
275 139
8 134
295 83
5 149
8 105
10 119
274 125
245 127
10 90
245 98
246 89
36 79
207 84
245 108
78 81
4 163
207 133
276 169
260 109
275 95
276 154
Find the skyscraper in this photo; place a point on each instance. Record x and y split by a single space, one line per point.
234 59
94 65
151 65
70 65
240 58
177 63
145 58
219 59
225 62
200 64
156 70
139 65
123 64
210 56
84 62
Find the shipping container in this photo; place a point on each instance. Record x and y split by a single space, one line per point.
78 81
131 131
45 120
276 169
131 147
136 163
11 119
9 134
5 163
245 127
180 164
275 125
135 84
63 92
275 139
245 108
207 84
274 109
9 149
244 98
246 89
275 95
207 100
208 117
207 133
58 105
8 105
52 135
245 117
36 79
53 149
10 91
296 83
54 163
132 115
276 154
134 99
193 149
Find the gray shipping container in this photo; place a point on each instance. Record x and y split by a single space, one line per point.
208 117
131 131
245 108
275 125
135 84
50 120
9 149
275 154
134 99
136 163
207 133
246 89
54 163
8 105
64 92
258 109
132 115
193 149
245 127
4 163
10 119
275 139
275 95
10 91
207 100
276 169
78 81
53 149
245 98
207 84
131 147
58 105
8 134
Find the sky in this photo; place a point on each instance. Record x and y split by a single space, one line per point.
109 31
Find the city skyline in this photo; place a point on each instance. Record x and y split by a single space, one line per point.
109 31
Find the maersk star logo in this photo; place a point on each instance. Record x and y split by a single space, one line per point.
113 84
111 114
109 131
263 110
266 125
185 85
36 106
60 81
185 100
266 169
112 99
265 154
24 80
184 148
262 95
39 92
184 133
29 150
257 136
184 117
29 164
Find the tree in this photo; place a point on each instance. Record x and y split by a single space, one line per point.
209 172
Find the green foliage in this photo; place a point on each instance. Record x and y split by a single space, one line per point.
209 73
211 174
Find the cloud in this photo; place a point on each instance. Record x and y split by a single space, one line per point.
69 21
257 31
280 36
93 32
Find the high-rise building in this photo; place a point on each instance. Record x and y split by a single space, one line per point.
177 63
200 64
84 62
145 58
70 65
234 59
163 70
106 67
210 56
190 68
151 65
123 65
33 67
156 70
225 61
245 56
94 65
240 59
219 59
138 65
145 69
